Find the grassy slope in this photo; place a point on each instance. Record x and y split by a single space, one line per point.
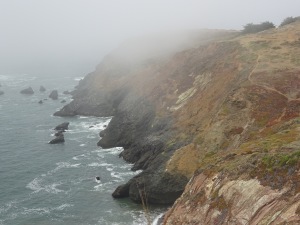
247 115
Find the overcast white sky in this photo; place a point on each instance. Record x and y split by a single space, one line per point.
71 36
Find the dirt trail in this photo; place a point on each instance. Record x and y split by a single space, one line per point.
263 85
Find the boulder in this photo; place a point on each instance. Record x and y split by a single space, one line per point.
27 91
62 127
54 95
42 89
41 102
122 191
58 139
1 92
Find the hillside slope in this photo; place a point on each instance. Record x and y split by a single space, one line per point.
222 117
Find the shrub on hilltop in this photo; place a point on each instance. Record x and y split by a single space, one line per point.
289 20
255 28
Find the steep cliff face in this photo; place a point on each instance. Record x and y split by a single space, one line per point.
227 109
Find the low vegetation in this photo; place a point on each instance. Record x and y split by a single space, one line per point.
289 20
255 28
281 160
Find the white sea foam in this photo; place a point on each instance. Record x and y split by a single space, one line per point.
94 164
79 157
36 186
81 145
116 175
112 151
51 188
39 211
155 221
63 206
78 78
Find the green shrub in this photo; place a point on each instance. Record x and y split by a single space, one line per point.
281 160
254 28
288 20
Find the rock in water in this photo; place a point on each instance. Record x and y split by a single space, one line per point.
54 95
66 92
60 132
1 92
62 127
63 101
58 139
27 91
41 102
42 89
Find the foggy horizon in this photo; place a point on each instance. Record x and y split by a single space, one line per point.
72 36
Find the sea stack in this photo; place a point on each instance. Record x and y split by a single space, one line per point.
42 89
54 95
27 91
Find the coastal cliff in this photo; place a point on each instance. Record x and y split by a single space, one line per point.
213 124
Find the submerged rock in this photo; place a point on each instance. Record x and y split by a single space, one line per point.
1 92
42 89
28 91
41 102
62 127
66 92
54 95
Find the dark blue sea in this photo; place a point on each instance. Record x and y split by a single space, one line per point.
55 184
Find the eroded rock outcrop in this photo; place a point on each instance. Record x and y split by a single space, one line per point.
215 199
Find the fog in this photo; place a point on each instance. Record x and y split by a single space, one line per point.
70 37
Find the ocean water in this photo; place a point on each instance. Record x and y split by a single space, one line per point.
55 184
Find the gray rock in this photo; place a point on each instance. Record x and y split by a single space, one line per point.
42 89
58 139
62 127
54 95
60 132
27 91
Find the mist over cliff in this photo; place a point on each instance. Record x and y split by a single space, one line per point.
71 37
